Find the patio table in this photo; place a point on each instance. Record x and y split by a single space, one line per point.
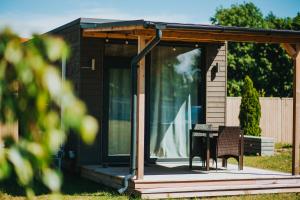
207 133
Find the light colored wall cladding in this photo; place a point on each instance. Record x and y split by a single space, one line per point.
216 66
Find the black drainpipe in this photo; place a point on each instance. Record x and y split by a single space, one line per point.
134 64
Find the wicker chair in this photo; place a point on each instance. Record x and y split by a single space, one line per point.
198 144
229 143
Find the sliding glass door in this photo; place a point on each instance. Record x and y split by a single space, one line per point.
117 96
176 101
119 111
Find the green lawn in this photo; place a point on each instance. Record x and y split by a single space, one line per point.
281 161
76 188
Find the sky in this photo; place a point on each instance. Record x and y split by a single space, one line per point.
39 16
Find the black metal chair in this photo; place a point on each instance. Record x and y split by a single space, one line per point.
198 143
229 143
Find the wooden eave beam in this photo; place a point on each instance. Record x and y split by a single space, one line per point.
289 49
219 36
194 36
128 35
108 35
115 28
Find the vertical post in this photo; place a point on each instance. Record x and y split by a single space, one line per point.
141 111
296 112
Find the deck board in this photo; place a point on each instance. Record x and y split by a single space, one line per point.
176 180
176 171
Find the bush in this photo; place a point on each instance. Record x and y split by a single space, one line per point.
33 93
250 110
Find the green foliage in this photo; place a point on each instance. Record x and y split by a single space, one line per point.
250 110
268 64
242 15
33 93
234 88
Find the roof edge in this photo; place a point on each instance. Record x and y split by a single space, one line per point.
67 25
228 29
112 23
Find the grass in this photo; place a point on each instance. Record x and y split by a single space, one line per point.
281 161
76 188
284 196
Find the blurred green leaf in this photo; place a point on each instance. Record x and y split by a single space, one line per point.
89 128
52 180
56 48
13 52
33 93
22 166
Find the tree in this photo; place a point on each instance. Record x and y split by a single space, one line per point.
296 22
250 110
268 64
32 92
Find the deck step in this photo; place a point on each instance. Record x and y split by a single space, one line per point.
209 191
205 183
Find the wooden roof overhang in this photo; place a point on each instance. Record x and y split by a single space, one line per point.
195 33
192 35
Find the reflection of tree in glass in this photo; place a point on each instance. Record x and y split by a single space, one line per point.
187 65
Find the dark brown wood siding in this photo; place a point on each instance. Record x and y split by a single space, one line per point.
71 35
91 94
87 85
216 77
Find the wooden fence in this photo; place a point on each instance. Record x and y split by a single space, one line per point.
276 116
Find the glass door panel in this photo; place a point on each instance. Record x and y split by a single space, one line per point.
175 99
117 98
119 112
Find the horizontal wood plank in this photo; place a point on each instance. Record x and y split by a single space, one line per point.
216 99
215 88
215 114
220 94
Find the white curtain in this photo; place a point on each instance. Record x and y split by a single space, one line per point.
174 88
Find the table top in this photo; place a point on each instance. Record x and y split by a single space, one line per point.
209 131
204 132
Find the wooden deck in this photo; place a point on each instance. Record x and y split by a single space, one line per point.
175 180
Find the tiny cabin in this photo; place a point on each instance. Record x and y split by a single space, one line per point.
148 84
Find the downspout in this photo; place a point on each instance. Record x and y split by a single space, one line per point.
134 65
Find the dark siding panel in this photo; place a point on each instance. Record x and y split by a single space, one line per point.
216 84
72 36
91 93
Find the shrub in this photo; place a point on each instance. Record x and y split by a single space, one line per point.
250 110
33 93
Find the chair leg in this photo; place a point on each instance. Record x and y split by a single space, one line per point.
191 150
216 164
224 162
241 165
